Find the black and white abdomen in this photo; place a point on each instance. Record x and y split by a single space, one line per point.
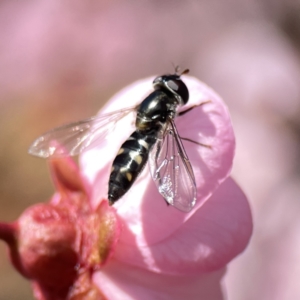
129 162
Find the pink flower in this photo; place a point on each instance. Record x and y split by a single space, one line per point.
60 244
158 240
78 247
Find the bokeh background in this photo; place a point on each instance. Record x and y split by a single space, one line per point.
61 60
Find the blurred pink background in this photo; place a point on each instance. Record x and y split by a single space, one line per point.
61 60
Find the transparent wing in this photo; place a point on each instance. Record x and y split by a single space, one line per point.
74 138
172 172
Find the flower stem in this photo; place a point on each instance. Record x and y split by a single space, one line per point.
8 232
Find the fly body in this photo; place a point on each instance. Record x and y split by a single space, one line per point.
153 114
155 139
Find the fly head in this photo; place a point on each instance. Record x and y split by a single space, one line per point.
173 84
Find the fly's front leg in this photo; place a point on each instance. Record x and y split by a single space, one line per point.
189 109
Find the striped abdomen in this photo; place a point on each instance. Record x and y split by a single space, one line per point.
129 162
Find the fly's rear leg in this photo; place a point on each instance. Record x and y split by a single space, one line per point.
197 143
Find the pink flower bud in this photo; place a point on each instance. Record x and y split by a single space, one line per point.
59 244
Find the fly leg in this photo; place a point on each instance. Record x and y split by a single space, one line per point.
186 111
189 109
197 143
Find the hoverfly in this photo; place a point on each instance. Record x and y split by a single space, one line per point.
155 139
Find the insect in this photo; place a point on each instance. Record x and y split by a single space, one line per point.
155 139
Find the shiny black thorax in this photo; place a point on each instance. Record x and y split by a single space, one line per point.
152 117
153 112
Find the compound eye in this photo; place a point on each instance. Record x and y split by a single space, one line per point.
179 87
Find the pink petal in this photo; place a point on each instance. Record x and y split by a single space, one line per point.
207 241
99 229
67 178
117 281
208 124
